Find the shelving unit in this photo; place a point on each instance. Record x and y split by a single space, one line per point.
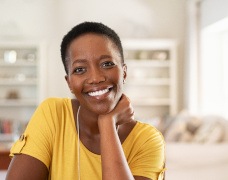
19 87
152 77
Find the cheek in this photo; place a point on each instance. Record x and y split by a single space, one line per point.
120 86
75 85
119 79
115 76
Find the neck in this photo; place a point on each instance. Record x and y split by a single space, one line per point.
88 122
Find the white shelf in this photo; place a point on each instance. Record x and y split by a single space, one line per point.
21 69
17 102
19 63
148 44
152 81
6 137
151 102
10 82
131 81
6 141
147 63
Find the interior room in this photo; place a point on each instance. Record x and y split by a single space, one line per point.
177 58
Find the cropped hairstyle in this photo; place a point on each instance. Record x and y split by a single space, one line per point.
84 28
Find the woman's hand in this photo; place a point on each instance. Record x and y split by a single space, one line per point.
122 113
114 163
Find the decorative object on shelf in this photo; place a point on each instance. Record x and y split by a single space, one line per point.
12 94
10 130
153 55
160 55
10 56
20 77
144 54
30 57
131 54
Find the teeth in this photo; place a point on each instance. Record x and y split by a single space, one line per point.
98 93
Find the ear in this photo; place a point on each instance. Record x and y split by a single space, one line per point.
124 72
68 82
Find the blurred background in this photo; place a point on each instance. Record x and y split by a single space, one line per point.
177 58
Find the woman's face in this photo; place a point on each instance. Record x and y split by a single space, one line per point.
96 72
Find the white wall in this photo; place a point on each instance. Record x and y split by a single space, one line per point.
213 11
35 20
22 19
50 20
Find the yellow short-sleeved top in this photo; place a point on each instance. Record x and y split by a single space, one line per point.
51 137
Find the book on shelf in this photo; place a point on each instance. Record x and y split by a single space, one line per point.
6 126
11 127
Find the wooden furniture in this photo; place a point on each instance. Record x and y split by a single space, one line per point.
4 160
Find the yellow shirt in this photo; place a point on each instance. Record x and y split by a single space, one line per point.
51 137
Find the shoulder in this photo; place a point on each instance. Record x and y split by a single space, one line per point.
145 151
54 102
52 108
144 128
146 133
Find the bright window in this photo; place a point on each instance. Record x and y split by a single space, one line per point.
214 69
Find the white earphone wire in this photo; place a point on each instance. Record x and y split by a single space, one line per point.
78 129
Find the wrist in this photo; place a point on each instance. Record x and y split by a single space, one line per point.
106 122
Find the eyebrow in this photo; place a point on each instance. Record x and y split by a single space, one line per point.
105 56
84 60
79 61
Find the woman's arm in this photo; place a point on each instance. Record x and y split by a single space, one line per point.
25 167
114 163
36 141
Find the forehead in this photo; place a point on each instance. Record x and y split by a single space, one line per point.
92 39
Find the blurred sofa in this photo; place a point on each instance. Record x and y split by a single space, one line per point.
196 147
191 161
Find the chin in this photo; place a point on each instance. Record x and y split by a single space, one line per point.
103 109
105 106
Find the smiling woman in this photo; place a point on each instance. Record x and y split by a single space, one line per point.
95 72
94 136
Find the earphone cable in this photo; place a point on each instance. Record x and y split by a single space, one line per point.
78 153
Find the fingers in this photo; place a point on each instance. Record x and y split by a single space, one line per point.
122 113
125 111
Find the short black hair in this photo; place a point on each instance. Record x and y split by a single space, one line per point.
89 27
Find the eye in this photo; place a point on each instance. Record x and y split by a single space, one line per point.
79 70
108 64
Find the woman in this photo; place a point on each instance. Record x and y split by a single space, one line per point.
95 135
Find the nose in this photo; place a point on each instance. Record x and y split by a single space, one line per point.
95 76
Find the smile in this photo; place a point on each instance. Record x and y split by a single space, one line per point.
98 93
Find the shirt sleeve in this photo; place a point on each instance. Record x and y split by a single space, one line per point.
149 159
37 138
